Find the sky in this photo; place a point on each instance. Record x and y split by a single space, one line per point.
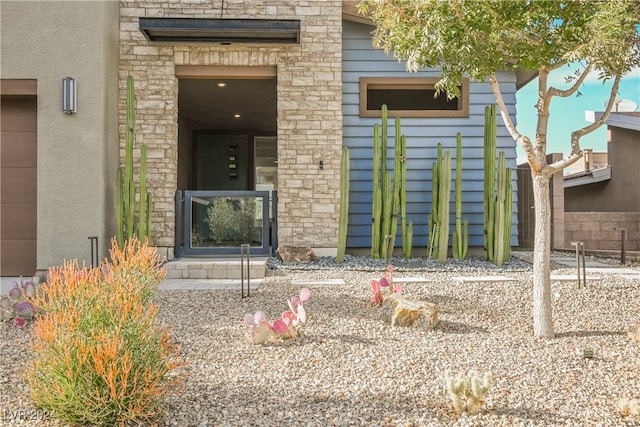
568 114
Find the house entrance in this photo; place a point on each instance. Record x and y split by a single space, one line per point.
227 150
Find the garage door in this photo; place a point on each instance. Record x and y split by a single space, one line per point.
18 179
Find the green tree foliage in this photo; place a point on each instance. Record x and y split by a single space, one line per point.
232 222
478 39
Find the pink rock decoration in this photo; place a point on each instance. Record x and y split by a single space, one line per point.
261 331
385 282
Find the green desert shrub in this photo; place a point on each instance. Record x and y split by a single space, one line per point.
232 221
99 355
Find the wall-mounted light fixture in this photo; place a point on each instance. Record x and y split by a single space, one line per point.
69 95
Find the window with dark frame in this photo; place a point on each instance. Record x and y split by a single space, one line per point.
410 97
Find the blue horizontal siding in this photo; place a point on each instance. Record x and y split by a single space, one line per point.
360 59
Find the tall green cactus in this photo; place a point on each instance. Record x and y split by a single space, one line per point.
388 193
440 197
503 213
376 209
126 187
398 160
498 202
407 229
460 237
489 178
400 193
444 194
432 244
344 205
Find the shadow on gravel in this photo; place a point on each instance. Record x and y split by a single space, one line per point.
534 416
340 303
458 328
347 339
441 299
589 334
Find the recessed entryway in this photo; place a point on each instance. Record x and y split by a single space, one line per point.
227 153
219 121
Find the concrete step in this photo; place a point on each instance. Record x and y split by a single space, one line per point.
215 268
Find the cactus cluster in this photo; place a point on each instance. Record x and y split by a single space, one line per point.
439 217
460 237
126 187
438 223
17 304
497 201
261 331
385 282
467 391
389 198
344 206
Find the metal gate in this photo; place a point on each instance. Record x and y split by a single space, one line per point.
210 223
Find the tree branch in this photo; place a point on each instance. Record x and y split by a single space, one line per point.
568 92
576 153
520 139
556 65
543 112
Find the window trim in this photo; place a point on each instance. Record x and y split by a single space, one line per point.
411 83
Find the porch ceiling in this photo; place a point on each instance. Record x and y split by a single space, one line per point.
210 106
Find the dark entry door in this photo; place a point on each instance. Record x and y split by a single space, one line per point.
221 162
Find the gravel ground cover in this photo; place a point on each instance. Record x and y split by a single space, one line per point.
349 368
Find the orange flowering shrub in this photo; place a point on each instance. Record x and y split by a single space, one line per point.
100 357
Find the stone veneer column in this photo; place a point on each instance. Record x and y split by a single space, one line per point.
309 85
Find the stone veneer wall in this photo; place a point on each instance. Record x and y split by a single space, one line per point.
596 230
309 106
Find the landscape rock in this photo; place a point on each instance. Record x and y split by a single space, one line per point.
399 311
287 253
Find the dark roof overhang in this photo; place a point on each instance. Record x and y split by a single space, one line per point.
222 31
589 177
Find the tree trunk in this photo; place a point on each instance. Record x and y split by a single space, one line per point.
542 318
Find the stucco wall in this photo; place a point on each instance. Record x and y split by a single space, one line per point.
308 99
77 154
620 193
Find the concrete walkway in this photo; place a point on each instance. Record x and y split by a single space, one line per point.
6 283
570 261
208 284
592 267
